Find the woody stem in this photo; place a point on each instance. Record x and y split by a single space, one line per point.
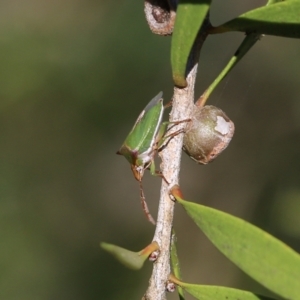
183 100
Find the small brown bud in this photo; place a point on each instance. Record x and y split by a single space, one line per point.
208 134
154 255
170 286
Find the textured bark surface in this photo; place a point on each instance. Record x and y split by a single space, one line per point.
183 101
171 156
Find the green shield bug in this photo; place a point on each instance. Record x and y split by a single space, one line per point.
144 140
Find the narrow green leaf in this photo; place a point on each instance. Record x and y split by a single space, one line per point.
190 15
130 259
209 292
175 263
205 292
280 19
248 42
266 259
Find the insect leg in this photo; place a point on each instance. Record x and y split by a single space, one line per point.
144 205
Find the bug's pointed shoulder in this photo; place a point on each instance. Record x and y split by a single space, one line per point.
154 101
151 104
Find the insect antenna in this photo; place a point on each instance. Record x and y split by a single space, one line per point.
144 205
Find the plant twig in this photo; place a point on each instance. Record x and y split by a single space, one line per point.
183 101
171 155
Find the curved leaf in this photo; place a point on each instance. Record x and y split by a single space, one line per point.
266 259
248 42
175 262
205 292
130 259
209 292
190 15
280 19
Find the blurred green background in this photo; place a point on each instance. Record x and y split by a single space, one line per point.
74 77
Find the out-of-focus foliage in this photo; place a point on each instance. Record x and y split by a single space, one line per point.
74 77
